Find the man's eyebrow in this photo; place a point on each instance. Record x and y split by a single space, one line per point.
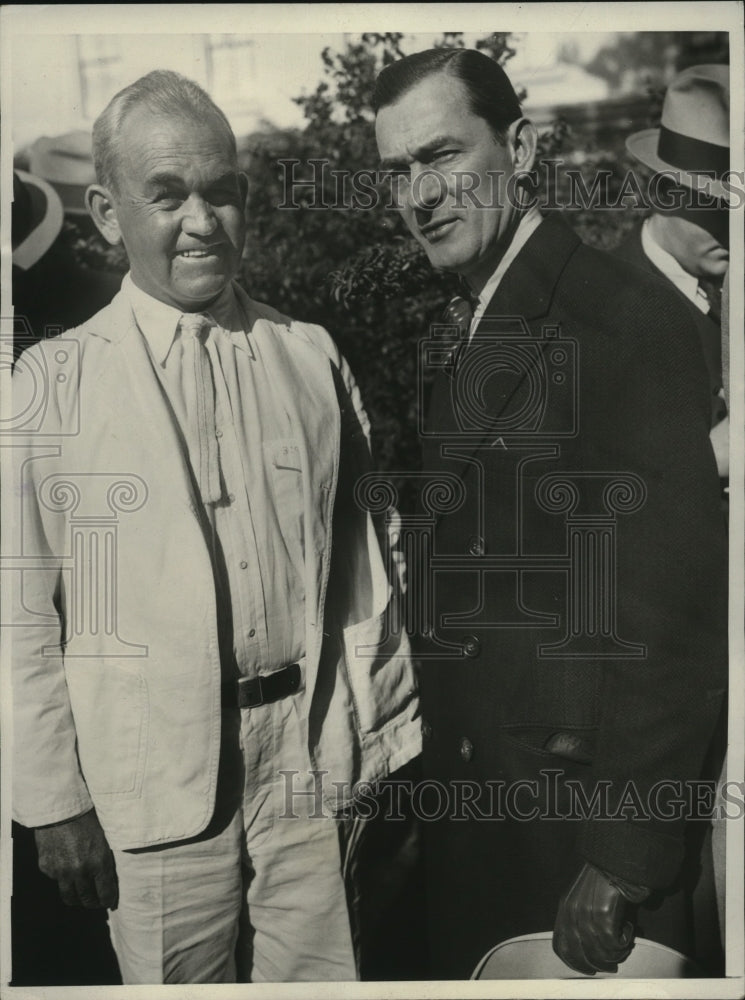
165 178
418 152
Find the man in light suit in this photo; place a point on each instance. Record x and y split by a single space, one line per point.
575 659
201 666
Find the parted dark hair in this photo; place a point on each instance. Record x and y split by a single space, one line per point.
163 92
490 93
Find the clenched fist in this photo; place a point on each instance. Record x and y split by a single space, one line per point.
593 932
76 855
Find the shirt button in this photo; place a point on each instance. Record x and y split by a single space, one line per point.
231 497
426 730
476 545
251 633
244 564
466 749
218 433
471 645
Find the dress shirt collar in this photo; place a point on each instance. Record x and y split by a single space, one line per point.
159 322
526 227
672 270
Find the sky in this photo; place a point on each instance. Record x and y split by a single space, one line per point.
277 67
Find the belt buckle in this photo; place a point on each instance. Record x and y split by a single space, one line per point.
252 695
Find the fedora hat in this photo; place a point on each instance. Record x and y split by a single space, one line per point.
693 137
66 161
532 957
36 218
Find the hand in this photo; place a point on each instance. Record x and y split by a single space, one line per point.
76 855
592 931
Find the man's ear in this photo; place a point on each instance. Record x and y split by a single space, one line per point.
522 138
102 208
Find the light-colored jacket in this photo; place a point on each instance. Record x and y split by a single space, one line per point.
116 670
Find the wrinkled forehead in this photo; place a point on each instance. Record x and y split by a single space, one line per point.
146 134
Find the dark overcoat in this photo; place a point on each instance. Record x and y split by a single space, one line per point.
575 659
708 329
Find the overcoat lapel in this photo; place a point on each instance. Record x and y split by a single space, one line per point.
525 293
129 393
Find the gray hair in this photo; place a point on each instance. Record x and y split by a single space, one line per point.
163 92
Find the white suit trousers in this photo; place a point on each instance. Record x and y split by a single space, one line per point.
259 897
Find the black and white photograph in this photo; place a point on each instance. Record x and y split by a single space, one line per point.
372 570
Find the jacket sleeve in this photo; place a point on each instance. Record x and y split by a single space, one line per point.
48 784
649 414
386 529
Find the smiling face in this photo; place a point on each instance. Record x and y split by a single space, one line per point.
450 175
178 207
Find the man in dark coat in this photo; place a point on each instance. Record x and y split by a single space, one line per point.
685 241
575 661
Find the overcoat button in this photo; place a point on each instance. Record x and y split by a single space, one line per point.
471 645
466 749
426 730
476 545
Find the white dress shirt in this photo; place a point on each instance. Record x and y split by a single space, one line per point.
665 262
256 529
526 227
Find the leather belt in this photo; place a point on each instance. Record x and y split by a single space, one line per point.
255 691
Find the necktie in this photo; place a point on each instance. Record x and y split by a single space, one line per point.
713 293
199 400
458 314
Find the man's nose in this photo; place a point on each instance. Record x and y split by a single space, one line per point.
428 188
198 217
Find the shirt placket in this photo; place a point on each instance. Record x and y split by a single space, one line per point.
234 525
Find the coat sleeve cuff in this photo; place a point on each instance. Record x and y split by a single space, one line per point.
641 855
35 815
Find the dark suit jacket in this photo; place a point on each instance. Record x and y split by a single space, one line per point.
606 384
708 330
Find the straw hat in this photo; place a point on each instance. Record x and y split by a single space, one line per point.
36 218
693 137
66 161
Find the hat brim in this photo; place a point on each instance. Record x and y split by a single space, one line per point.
643 147
47 222
531 956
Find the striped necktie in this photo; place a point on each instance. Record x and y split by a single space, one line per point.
457 315
199 399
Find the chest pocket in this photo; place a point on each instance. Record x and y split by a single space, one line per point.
286 475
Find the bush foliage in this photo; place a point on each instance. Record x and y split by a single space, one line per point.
322 253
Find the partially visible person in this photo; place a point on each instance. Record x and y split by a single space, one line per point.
687 244
720 442
51 290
